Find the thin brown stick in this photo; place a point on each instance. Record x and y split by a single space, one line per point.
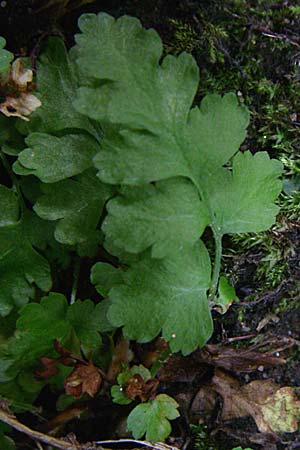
152 445
11 420
239 338
280 36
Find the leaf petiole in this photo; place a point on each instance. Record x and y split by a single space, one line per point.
217 263
75 281
14 179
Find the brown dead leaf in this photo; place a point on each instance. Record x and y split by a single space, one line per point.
186 369
267 441
138 387
237 360
85 378
274 409
182 369
203 402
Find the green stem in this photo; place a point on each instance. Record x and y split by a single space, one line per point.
156 366
217 263
75 281
14 179
218 244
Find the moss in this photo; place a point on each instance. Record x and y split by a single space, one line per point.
201 439
286 304
276 249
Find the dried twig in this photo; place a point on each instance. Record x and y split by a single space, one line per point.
152 445
256 26
7 417
280 36
11 420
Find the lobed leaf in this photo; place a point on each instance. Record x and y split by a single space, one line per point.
165 217
152 418
41 323
57 82
173 163
20 264
105 276
242 200
6 57
53 159
76 204
167 295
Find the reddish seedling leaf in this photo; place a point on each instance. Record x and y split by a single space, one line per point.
85 378
49 368
137 387
50 364
60 349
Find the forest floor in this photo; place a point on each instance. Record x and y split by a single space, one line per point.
253 49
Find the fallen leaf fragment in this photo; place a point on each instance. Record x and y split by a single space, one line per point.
19 75
203 402
282 410
21 106
274 409
85 378
21 102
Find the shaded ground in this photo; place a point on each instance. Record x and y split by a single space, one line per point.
252 48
